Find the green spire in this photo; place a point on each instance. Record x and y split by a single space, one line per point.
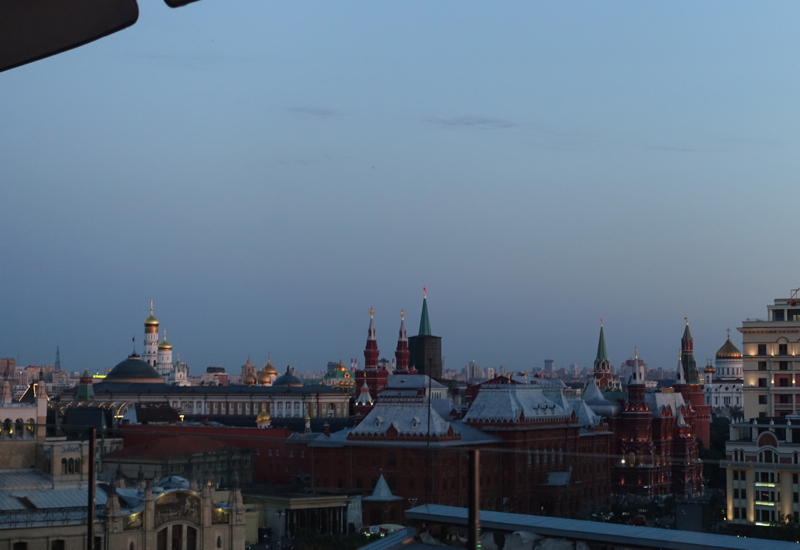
602 355
424 322
687 334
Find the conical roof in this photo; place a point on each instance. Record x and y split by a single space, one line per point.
382 492
687 334
424 321
729 351
602 354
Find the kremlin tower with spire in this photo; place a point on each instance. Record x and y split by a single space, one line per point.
690 387
602 368
425 349
374 376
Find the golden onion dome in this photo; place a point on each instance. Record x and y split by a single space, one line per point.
729 351
263 416
340 366
151 321
164 344
264 377
268 368
709 368
249 379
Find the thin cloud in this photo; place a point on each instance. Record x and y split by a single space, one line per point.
675 149
318 112
479 122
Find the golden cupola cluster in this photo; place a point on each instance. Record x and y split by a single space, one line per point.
267 374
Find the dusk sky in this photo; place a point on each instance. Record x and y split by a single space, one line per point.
268 171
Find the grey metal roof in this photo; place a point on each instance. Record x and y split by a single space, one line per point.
395 540
608 533
24 479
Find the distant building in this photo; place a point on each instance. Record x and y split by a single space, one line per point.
548 365
722 383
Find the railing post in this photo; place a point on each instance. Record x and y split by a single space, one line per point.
473 536
90 509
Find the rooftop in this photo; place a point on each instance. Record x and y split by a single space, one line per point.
604 533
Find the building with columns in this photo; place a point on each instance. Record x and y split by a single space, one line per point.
134 381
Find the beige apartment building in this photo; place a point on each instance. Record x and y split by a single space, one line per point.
771 367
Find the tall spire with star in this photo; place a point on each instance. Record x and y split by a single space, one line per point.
402 354
371 352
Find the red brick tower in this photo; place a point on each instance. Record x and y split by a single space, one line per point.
402 354
602 368
691 389
375 377
637 470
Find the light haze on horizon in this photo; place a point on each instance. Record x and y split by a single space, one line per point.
268 171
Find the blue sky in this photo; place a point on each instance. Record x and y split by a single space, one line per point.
268 171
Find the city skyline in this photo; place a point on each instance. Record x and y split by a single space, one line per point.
268 172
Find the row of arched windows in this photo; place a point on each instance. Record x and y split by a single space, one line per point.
18 429
70 466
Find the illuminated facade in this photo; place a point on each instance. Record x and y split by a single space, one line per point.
770 365
762 462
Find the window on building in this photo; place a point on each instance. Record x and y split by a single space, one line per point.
783 349
98 543
794 478
57 544
247 408
762 399
736 475
743 494
392 459
783 365
762 365
20 546
795 497
291 453
736 513
762 349
191 538
762 382
736 494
